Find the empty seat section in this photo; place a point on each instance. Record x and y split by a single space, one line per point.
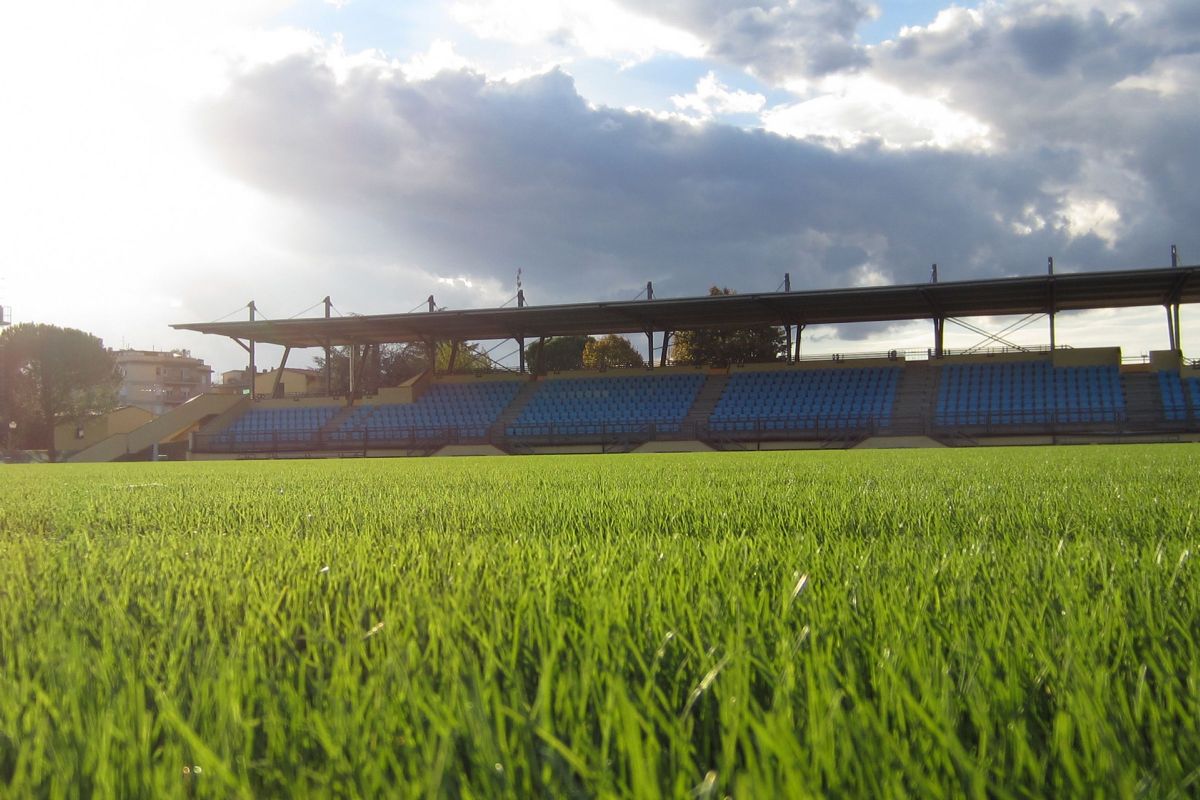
271 425
591 406
1177 395
795 400
466 410
1028 392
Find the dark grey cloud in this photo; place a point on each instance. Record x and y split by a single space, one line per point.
775 40
1116 91
462 176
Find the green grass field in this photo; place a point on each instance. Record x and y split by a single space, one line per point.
980 623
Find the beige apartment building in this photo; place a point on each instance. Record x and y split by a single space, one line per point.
159 381
293 382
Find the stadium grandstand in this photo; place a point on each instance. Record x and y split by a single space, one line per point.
1005 394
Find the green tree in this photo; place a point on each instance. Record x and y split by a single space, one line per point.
720 347
611 351
396 363
561 353
50 375
469 359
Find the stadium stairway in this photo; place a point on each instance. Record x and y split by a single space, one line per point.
914 402
706 400
513 410
335 422
1143 400
173 425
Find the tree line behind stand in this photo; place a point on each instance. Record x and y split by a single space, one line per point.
50 375
715 347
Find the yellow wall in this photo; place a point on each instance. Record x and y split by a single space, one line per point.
300 402
97 429
294 382
993 358
1088 357
847 363
1165 360
624 372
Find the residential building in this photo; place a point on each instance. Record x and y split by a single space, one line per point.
158 381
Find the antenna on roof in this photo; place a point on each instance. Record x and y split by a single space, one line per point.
934 278
1174 256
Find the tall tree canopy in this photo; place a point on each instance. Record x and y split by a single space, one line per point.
720 347
610 352
560 353
49 375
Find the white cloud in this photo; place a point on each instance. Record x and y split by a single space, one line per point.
593 28
438 58
1093 215
713 98
848 111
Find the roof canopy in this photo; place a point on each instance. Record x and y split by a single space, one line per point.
996 297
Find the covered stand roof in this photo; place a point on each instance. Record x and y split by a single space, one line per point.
995 297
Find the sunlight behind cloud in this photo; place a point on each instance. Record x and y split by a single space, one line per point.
596 28
438 58
712 97
848 111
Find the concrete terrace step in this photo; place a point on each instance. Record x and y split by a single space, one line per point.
704 404
513 410
915 397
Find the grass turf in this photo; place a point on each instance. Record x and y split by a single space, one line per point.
981 623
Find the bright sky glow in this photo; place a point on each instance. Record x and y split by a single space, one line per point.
168 162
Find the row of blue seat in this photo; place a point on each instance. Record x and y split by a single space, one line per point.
1180 396
469 407
1019 393
626 404
969 394
806 399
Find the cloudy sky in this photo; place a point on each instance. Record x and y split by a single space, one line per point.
167 161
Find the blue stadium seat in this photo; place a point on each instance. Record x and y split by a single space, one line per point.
801 400
1032 392
595 405
464 410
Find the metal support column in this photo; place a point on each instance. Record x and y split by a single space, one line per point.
453 356
1050 313
253 366
800 326
1178 331
1174 343
1178 338
351 377
277 387
650 333
541 354
939 323
328 352
371 363
521 339
662 361
787 329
